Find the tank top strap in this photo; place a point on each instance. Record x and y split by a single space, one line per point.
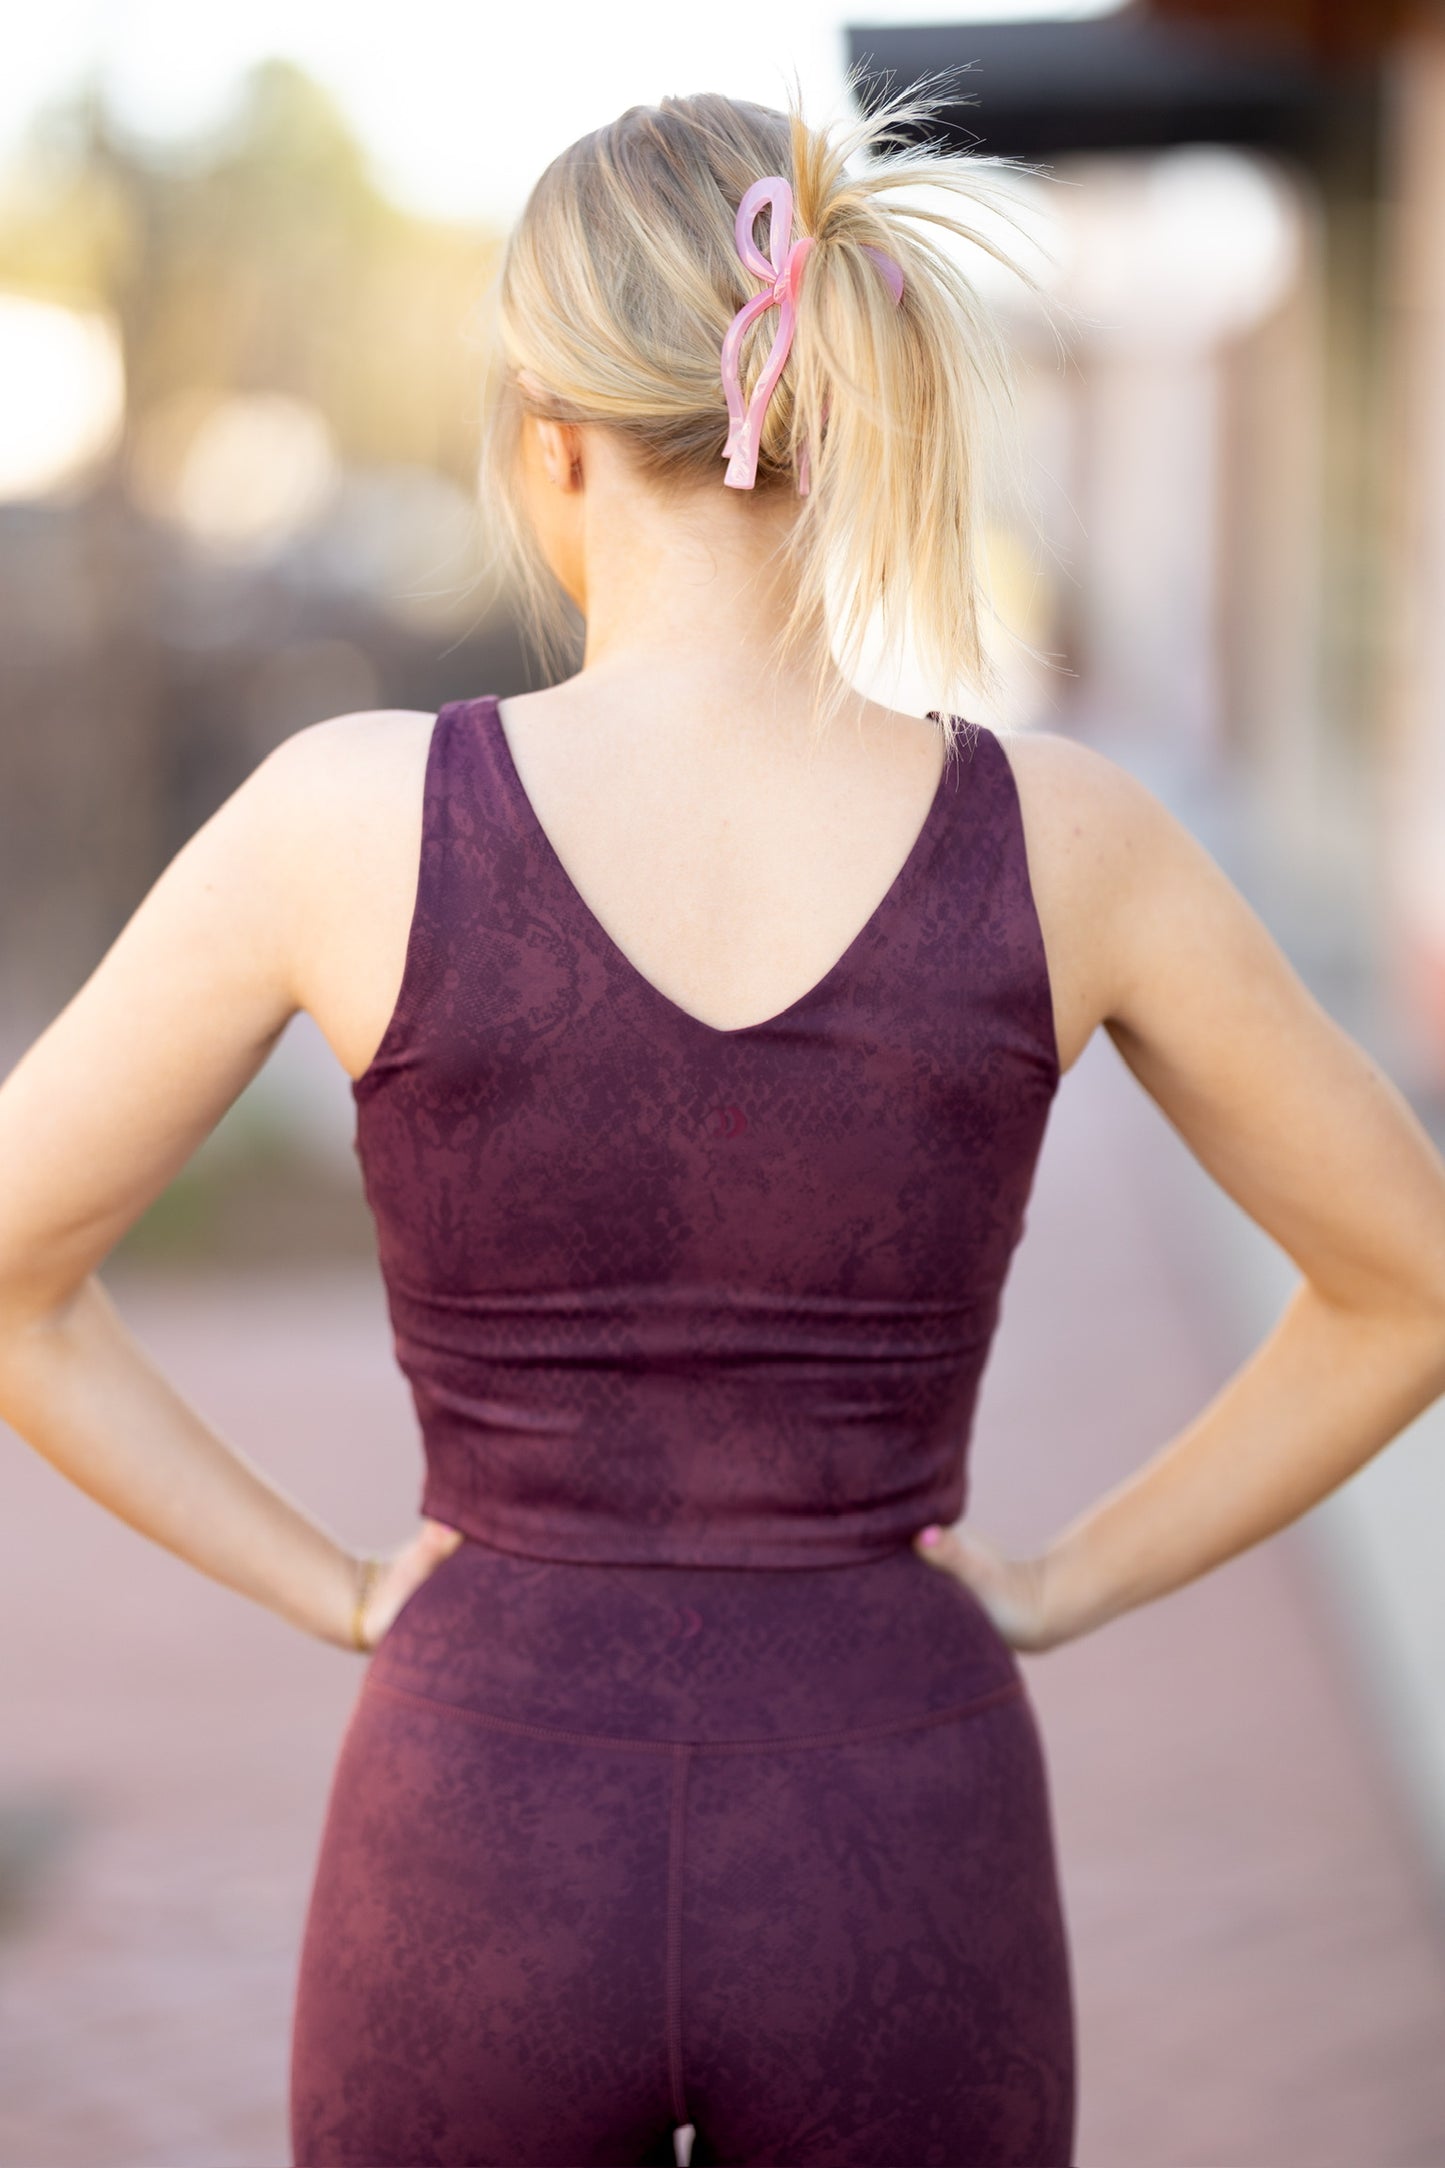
463 831
974 827
480 952
985 875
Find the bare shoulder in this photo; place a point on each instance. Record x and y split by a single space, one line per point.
346 797
1087 812
349 789
1090 828
1149 935
1141 923
337 766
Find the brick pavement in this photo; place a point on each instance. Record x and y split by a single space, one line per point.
1260 1959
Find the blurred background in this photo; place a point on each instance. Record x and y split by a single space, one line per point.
243 257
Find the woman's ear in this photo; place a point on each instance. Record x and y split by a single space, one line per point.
560 446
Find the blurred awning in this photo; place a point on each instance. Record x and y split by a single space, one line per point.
1286 75
1334 31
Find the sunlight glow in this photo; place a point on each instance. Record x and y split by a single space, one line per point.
62 395
258 469
464 106
1182 249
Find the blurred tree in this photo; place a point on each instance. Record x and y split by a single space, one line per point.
262 256
142 674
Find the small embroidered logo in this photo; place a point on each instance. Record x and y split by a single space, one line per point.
728 1121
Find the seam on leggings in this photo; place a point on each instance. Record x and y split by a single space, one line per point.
1006 1692
682 1756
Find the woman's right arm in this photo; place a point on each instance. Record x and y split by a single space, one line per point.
100 1113
1299 1126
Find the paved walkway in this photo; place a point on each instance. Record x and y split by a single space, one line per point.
1260 1957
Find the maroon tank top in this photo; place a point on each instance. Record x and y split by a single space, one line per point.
670 1293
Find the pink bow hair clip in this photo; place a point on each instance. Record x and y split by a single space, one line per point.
782 273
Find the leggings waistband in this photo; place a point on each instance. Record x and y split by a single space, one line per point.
854 1735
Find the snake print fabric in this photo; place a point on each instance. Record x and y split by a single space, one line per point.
684 1796
614 1851
670 1293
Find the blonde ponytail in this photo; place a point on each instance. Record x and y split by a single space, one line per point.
616 289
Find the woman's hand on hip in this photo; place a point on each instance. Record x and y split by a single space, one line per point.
400 1576
1011 1590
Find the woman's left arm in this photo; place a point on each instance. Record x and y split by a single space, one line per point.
100 1113
1304 1131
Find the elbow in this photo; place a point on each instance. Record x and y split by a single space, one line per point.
1425 1323
30 1304
1412 1319
1439 1343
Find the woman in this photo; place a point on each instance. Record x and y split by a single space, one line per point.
693 1797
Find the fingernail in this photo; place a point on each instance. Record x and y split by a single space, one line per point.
930 1535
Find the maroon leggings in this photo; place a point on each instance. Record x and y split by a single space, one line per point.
614 1850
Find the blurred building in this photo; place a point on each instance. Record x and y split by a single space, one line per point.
237 451
237 492
1242 469
238 442
1241 485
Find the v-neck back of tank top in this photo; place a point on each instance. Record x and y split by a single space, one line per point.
675 1294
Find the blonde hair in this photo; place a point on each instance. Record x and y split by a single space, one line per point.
615 290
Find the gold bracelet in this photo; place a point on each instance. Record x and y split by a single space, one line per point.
368 1569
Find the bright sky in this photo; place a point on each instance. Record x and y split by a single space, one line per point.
461 102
